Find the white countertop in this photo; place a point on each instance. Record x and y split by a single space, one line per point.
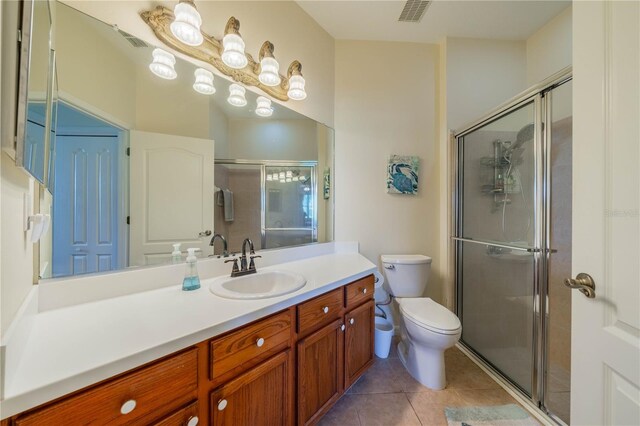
72 347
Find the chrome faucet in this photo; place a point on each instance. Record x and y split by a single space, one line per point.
225 248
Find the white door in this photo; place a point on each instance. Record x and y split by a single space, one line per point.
171 198
605 381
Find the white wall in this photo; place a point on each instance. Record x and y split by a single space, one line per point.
16 263
549 49
480 75
254 138
379 113
293 32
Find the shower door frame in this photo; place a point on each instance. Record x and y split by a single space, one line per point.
263 164
541 251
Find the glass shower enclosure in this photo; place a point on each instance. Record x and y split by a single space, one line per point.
513 243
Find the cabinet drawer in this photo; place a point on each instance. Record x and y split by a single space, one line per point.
249 345
359 291
187 416
145 395
319 311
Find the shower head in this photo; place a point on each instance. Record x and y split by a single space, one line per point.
524 135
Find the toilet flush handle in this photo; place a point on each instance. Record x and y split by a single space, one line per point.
389 267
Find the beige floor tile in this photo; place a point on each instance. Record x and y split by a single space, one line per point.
344 413
430 414
385 409
478 397
383 377
447 397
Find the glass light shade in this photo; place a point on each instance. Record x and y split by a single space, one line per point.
186 26
289 173
236 95
263 108
288 179
162 64
269 177
282 175
295 178
303 178
233 53
307 189
296 88
269 68
281 180
204 82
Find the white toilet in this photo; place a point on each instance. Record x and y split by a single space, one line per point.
427 328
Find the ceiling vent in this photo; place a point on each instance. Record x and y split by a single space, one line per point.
135 41
414 10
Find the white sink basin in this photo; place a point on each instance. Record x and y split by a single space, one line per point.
261 285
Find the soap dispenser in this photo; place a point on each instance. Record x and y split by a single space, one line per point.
176 255
191 280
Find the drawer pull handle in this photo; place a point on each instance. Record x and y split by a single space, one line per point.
193 421
351 321
260 342
128 406
364 290
342 327
325 309
222 404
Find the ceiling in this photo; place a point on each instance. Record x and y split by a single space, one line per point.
378 20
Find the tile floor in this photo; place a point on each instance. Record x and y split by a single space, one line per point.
388 396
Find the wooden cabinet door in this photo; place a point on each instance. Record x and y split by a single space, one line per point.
261 396
320 372
358 341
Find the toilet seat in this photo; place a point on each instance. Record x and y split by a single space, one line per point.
430 315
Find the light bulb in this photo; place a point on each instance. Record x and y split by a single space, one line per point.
162 64
269 69
236 95
204 82
233 54
263 108
186 26
296 88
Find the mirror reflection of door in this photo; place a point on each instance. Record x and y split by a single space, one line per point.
171 195
88 228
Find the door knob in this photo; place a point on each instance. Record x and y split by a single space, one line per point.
584 283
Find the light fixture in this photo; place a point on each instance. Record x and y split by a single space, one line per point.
282 175
269 67
233 53
295 178
281 180
296 82
236 95
186 25
269 178
303 178
263 109
307 189
204 82
289 173
162 64
288 179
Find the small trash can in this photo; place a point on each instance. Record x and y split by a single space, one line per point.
383 337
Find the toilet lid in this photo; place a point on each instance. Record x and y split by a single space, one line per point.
429 314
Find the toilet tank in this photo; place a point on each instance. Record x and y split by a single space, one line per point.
406 274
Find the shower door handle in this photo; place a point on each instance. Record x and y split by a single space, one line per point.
584 283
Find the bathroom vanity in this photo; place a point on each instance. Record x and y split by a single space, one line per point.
287 362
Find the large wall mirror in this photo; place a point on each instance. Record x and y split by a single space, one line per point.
141 163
